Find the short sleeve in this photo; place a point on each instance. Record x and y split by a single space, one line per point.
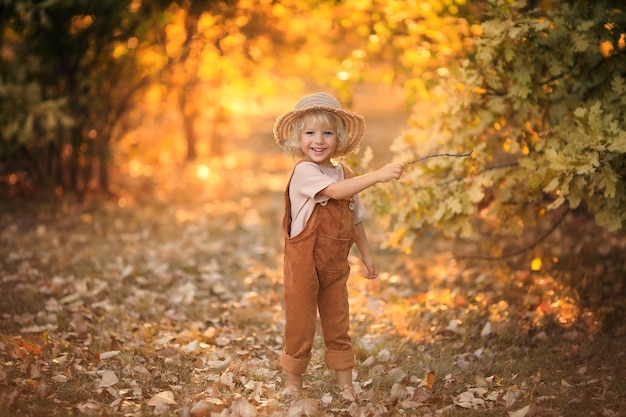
309 179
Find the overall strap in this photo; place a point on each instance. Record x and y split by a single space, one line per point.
287 214
347 172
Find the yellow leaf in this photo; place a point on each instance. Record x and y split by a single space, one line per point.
536 264
454 205
476 193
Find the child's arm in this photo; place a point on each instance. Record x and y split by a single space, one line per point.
364 248
351 186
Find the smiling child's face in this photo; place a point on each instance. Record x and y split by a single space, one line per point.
319 140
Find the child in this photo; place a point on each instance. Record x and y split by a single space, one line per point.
323 218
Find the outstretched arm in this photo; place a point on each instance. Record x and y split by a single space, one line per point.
351 186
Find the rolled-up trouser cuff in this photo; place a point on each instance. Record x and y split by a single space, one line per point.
338 360
293 365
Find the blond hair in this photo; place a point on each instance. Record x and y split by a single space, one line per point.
326 120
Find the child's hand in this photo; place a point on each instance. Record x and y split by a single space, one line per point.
391 171
372 269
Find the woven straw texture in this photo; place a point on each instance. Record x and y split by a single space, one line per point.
354 123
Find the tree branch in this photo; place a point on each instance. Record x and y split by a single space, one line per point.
456 155
462 177
521 250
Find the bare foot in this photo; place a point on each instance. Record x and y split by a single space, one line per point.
344 378
293 382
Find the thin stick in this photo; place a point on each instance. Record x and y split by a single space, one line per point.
456 155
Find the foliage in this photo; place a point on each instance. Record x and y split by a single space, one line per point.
233 65
85 77
393 41
540 102
168 302
69 74
223 55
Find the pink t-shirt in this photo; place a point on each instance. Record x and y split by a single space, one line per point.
309 179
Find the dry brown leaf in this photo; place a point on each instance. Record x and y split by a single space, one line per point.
368 362
59 379
191 347
480 382
469 399
420 395
398 391
493 396
429 380
509 398
203 408
396 375
218 365
242 408
34 371
327 399
354 410
383 356
109 354
486 331
162 398
8 399
109 378
522 412
348 393
304 406
90 408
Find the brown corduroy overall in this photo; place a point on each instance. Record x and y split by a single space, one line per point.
316 271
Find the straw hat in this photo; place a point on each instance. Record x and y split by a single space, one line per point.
354 124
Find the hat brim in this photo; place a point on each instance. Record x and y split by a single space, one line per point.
354 125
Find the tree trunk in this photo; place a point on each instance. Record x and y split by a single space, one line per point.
216 141
190 115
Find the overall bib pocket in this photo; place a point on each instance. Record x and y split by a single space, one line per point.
331 253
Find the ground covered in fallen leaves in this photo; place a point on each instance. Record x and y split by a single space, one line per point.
166 300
